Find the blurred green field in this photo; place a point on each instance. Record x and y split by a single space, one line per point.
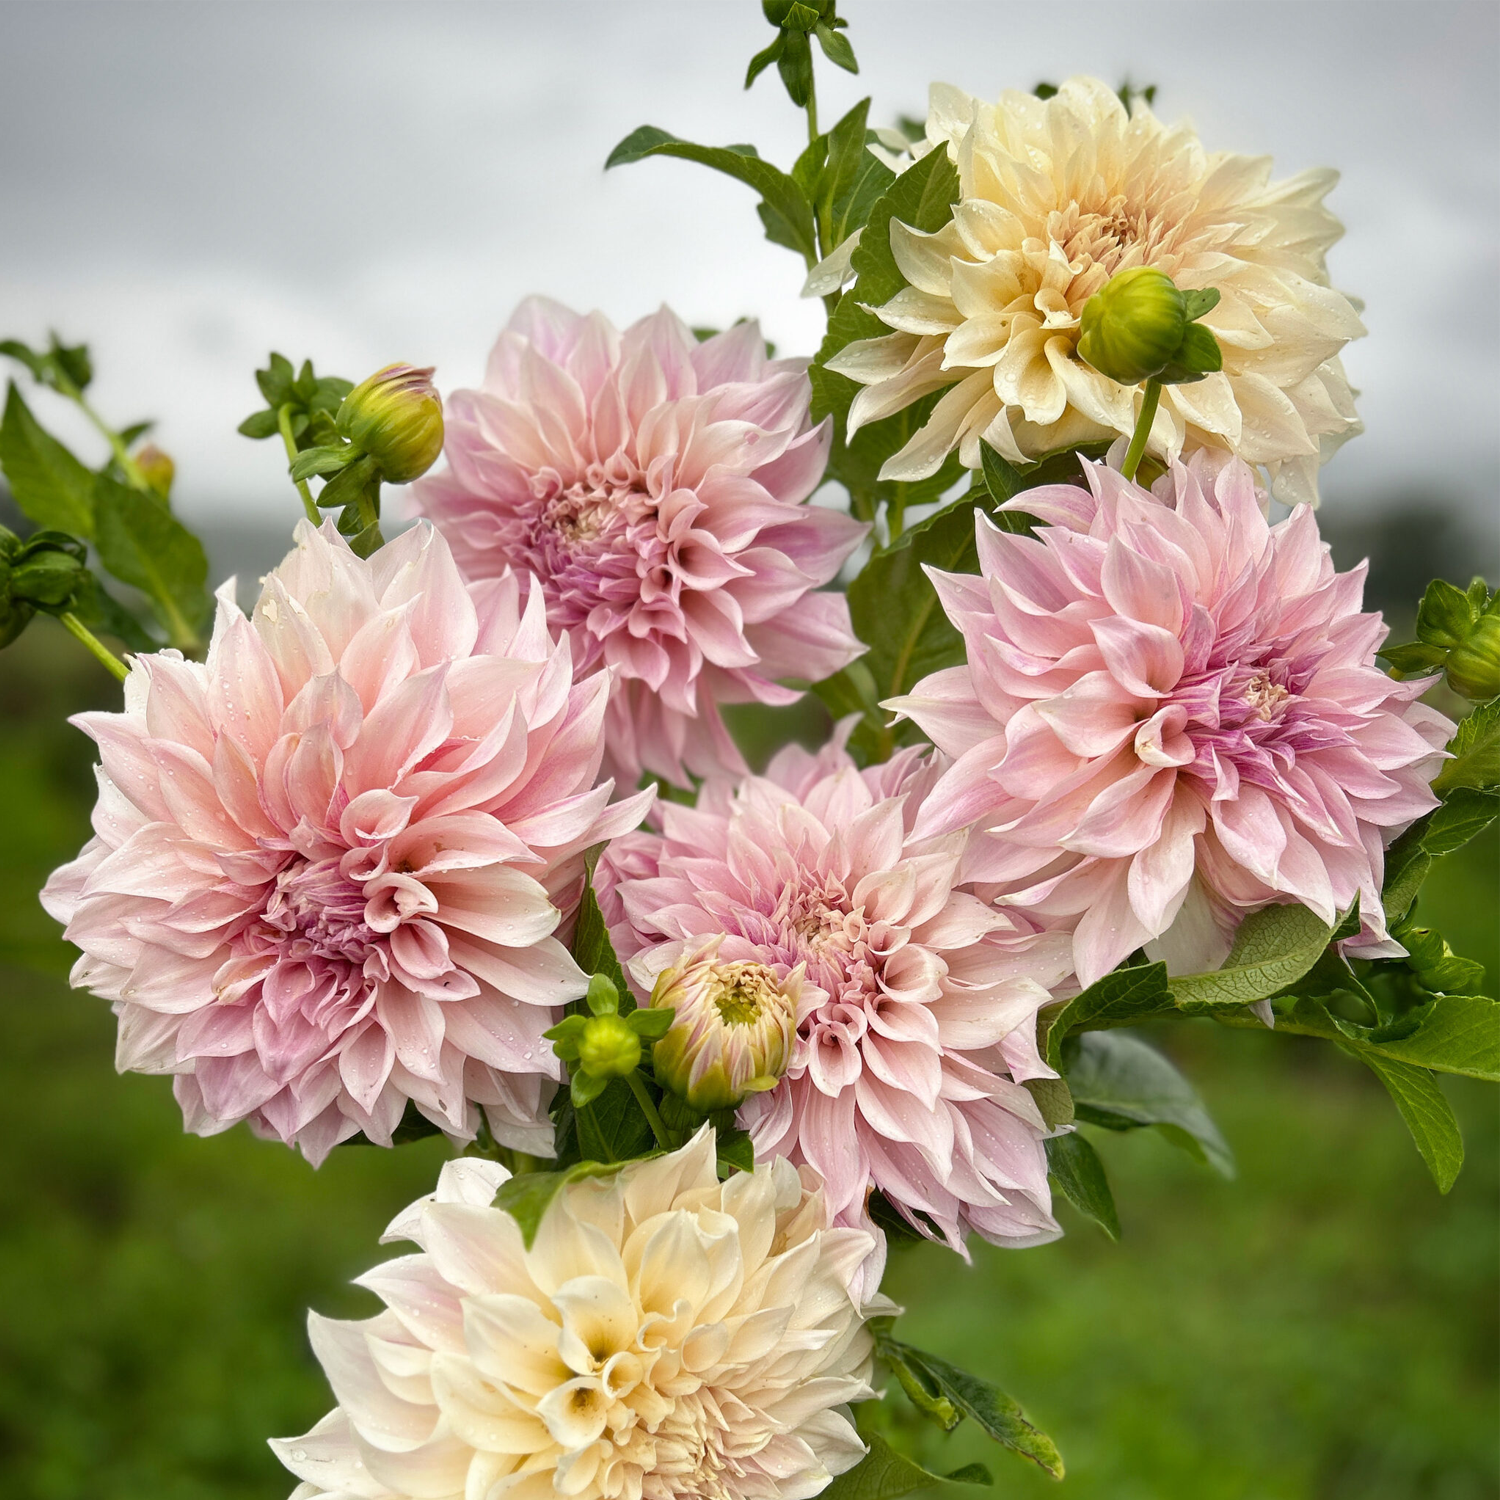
1324 1327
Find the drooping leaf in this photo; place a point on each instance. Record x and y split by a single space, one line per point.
50 485
592 948
783 199
1476 752
526 1197
143 544
1078 1174
1122 1083
1272 950
1427 1113
1458 1034
1000 1416
1052 1099
1466 813
1122 997
884 1474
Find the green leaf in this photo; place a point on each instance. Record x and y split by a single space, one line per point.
921 197
883 1474
836 48
49 484
1120 998
1199 303
1427 1113
526 1197
763 60
97 608
1078 1174
1414 659
1121 1083
612 1128
999 1415
592 948
145 545
1458 1034
1052 1099
783 198
1273 949
736 1151
1001 477
1466 813
851 181
1475 750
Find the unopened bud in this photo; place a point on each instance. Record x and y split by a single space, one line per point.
157 469
396 416
1132 327
733 1031
1474 664
47 570
608 1047
15 614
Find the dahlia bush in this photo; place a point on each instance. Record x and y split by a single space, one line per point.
1096 737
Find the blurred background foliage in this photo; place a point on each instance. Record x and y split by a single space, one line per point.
1324 1327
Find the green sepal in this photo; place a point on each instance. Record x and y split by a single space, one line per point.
836 46
603 997
1196 303
651 1022
1445 616
585 1088
565 1037
311 462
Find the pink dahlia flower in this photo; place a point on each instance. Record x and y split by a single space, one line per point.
917 1013
330 864
1171 716
653 486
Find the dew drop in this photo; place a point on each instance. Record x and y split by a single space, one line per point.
299 1455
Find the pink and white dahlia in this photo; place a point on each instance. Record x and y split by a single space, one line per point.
1171 716
330 864
653 487
916 1017
664 1336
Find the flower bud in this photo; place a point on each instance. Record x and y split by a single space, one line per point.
1474 664
157 469
733 1031
608 1047
1132 327
15 614
396 417
47 571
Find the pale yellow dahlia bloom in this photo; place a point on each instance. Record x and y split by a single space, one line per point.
1057 195
665 1335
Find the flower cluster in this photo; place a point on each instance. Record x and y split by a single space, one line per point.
916 1004
653 488
330 864
1058 195
664 1335
1170 716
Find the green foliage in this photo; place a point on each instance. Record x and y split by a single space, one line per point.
883 1474
311 403
795 21
1273 948
1458 632
591 945
1075 1171
1476 753
785 210
62 367
50 485
143 544
526 1197
841 178
1123 997
1427 1113
1122 1083
946 1394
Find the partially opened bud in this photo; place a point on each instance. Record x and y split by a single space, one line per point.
733 1031
396 416
1132 327
157 469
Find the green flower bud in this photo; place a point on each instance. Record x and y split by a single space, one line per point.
1132 327
608 1047
15 614
396 417
1474 665
157 469
732 1033
47 571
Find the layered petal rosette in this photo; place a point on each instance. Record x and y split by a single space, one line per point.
665 1335
916 1012
1058 195
330 864
654 487
1171 716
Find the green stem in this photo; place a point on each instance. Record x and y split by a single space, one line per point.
653 1118
812 112
284 422
107 658
1137 449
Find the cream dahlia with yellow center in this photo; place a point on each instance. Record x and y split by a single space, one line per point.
1058 195
665 1336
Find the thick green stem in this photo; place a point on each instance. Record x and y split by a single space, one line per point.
284 422
648 1108
107 658
812 113
1137 449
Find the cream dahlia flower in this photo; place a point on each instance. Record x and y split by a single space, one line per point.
331 863
1057 196
666 1336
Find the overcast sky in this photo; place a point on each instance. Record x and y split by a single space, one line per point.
188 185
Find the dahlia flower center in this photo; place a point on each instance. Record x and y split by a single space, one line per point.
745 993
1264 697
321 912
1102 240
584 512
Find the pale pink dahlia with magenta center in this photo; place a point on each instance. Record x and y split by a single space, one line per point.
916 1017
654 487
330 863
1170 716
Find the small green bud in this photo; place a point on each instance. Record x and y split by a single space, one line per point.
15 614
1132 327
157 469
1474 666
47 571
608 1047
396 417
